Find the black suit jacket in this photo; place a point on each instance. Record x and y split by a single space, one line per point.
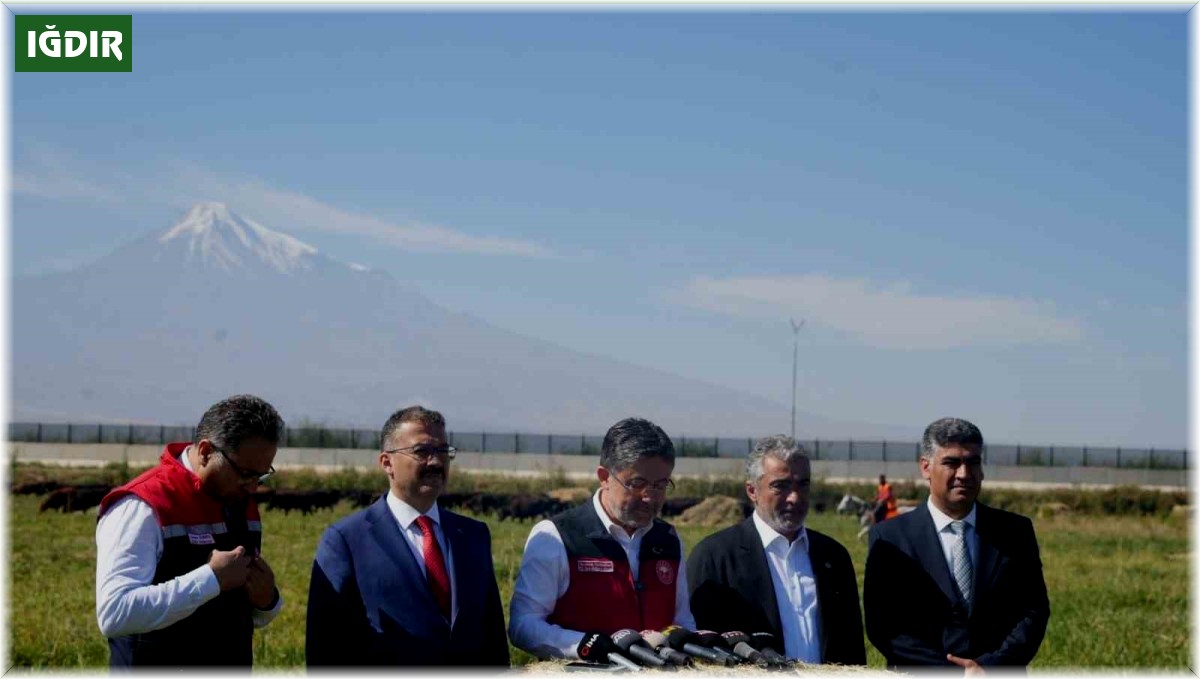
915 615
369 604
731 589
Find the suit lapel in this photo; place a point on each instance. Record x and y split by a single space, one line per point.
462 556
928 548
822 574
758 573
988 555
386 532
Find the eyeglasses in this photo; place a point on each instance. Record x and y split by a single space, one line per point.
639 485
247 477
424 453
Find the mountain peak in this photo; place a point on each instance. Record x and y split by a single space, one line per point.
219 237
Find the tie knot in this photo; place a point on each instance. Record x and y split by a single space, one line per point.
958 527
425 524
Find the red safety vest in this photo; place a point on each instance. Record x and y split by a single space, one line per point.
602 595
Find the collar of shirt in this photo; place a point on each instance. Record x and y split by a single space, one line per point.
941 520
405 513
183 458
770 536
615 529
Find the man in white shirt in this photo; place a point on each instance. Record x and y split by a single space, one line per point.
772 574
404 582
608 564
177 548
972 571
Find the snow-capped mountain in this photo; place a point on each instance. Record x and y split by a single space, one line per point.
218 304
213 236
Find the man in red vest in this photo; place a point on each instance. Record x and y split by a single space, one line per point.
608 564
179 576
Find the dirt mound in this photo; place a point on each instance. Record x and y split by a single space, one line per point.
570 495
714 511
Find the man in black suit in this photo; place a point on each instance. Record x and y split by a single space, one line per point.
771 574
955 582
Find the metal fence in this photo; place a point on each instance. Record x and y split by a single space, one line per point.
561 444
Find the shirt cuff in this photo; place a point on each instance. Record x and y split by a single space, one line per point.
205 582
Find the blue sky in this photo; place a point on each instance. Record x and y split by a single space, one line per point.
977 213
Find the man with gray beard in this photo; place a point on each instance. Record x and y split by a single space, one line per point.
771 574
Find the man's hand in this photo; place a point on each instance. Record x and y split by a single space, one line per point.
231 568
970 667
260 584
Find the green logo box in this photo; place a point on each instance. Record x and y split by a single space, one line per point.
74 43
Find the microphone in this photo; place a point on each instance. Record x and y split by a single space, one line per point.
714 641
682 640
744 650
630 643
597 647
658 641
765 643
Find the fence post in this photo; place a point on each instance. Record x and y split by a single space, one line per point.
582 443
1084 457
100 437
483 442
850 456
1018 454
1051 456
68 432
917 446
1152 457
816 449
516 442
885 450
162 434
1118 457
129 439
354 438
716 446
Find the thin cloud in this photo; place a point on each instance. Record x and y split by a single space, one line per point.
48 173
44 173
292 211
888 316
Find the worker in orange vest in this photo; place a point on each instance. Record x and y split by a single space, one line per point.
885 501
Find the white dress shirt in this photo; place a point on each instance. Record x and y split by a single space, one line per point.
941 522
545 576
795 591
406 517
129 544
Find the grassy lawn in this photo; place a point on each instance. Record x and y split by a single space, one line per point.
1118 586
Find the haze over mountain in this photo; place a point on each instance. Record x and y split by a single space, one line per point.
218 304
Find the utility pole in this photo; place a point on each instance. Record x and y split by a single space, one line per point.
795 347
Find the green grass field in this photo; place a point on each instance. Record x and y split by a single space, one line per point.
1118 586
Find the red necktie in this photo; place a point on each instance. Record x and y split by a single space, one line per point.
435 566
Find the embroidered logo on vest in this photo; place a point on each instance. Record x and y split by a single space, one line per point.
664 571
201 538
595 566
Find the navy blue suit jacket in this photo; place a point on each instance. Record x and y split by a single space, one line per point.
915 615
369 604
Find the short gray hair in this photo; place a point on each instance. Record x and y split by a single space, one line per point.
780 447
949 431
633 439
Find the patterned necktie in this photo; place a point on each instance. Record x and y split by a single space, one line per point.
964 573
435 566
